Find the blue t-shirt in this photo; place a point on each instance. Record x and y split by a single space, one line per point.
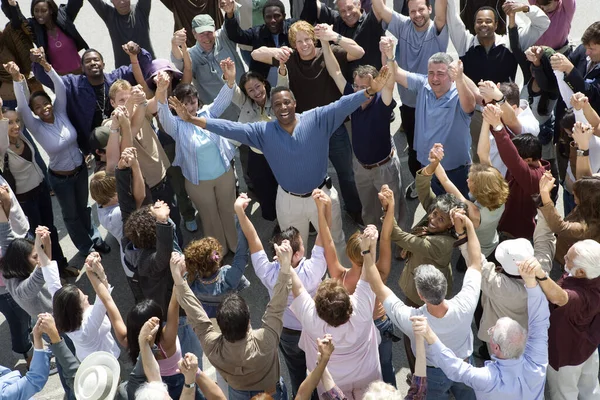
371 140
414 49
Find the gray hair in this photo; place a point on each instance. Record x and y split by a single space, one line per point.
155 390
446 202
440 58
380 390
431 284
357 3
587 258
510 336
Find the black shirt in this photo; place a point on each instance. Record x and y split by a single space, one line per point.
497 65
103 108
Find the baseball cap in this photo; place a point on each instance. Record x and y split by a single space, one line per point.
99 138
510 252
203 23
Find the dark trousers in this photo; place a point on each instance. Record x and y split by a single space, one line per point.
177 182
163 191
408 123
386 330
340 155
38 210
295 360
458 176
265 184
19 323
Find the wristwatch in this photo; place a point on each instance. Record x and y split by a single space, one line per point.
542 279
339 39
365 252
583 153
498 128
190 385
501 101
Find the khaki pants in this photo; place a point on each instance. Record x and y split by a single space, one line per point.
574 382
214 201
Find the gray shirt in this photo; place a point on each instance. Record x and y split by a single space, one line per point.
414 49
134 26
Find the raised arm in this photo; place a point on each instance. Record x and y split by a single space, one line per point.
460 36
323 202
225 96
12 11
325 33
138 74
103 9
540 22
386 47
325 349
440 8
271 55
273 317
147 335
252 237
582 134
382 11
169 332
232 26
465 96
388 203
331 63
557 224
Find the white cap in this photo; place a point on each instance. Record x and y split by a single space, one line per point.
509 252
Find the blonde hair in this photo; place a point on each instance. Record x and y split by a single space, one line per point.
103 187
488 186
301 26
380 390
353 250
120 84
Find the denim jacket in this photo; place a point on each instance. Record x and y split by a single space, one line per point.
229 278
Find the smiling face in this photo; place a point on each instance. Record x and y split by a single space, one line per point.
256 91
93 66
14 124
419 13
349 11
485 24
284 107
438 221
42 13
206 40
274 17
42 107
305 46
438 78
191 104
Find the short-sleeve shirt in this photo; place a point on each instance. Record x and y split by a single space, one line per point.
414 49
454 328
371 140
309 270
440 121
310 82
355 362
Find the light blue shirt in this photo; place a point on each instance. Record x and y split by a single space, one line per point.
414 49
210 166
299 161
15 387
521 378
189 138
440 121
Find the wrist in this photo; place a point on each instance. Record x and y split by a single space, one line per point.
54 337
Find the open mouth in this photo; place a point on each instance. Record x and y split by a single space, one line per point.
285 114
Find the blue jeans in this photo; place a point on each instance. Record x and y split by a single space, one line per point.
280 393
386 330
568 201
340 155
72 195
188 340
19 323
175 386
458 176
439 386
295 360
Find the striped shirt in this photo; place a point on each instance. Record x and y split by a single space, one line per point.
299 161
188 137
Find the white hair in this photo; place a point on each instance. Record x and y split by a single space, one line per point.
357 3
380 390
510 336
587 256
152 391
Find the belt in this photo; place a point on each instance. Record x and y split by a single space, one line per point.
380 163
291 331
162 182
75 172
304 195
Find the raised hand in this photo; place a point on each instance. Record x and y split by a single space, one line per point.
228 68
160 210
325 32
456 70
372 234
178 269
579 100
436 154
241 203
582 134
48 326
5 199
386 197
284 254
148 331
460 220
127 159
379 82
534 55
529 269
492 115
132 48
546 182
43 244
13 69
560 62
325 348
228 6
322 200
489 91
162 81
282 54
180 37
180 109
138 96
386 46
188 366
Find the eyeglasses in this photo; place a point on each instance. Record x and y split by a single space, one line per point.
359 87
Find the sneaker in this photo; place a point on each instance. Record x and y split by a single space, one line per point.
411 192
191 225
409 378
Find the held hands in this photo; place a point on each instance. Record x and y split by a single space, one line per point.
489 91
461 222
38 343
325 348
13 69
241 203
94 266
456 71
5 200
582 134
321 200
386 46
579 101
546 183
529 269
560 62
436 154
132 49
386 197
39 56
284 255
162 81
534 55
325 32
492 115
128 158
188 366
48 326
180 37
369 239
228 68
43 245
178 269
160 210
422 328
138 96
379 82
120 116
148 331
180 109
228 6
282 54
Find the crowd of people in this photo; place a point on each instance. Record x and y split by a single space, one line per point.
290 95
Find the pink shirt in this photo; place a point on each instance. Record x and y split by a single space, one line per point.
62 52
355 362
557 34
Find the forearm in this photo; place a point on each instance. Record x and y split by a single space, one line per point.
355 52
583 167
554 293
138 74
265 54
249 231
333 67
151 367
312 380
187 67
382 11
113 152
592 116
473 248
483 147
138 186
509 118
297 287
421 356
465 96
208 387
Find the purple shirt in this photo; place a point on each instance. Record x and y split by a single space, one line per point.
557 34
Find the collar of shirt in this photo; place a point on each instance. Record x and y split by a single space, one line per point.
590 66
501 40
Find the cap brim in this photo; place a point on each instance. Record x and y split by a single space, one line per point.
101 358
202 29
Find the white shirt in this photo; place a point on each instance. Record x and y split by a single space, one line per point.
355 361
454 328
309 270
529 124
110 219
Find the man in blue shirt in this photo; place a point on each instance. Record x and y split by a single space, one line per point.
296 147
520 358
419 37
444 107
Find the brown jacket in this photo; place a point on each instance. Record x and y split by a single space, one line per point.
428 249
253 362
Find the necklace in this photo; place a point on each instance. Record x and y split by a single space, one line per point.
57 43
17 144
102 106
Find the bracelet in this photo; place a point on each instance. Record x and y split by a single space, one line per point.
115 130
367 92
542 279
365 252
391 59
